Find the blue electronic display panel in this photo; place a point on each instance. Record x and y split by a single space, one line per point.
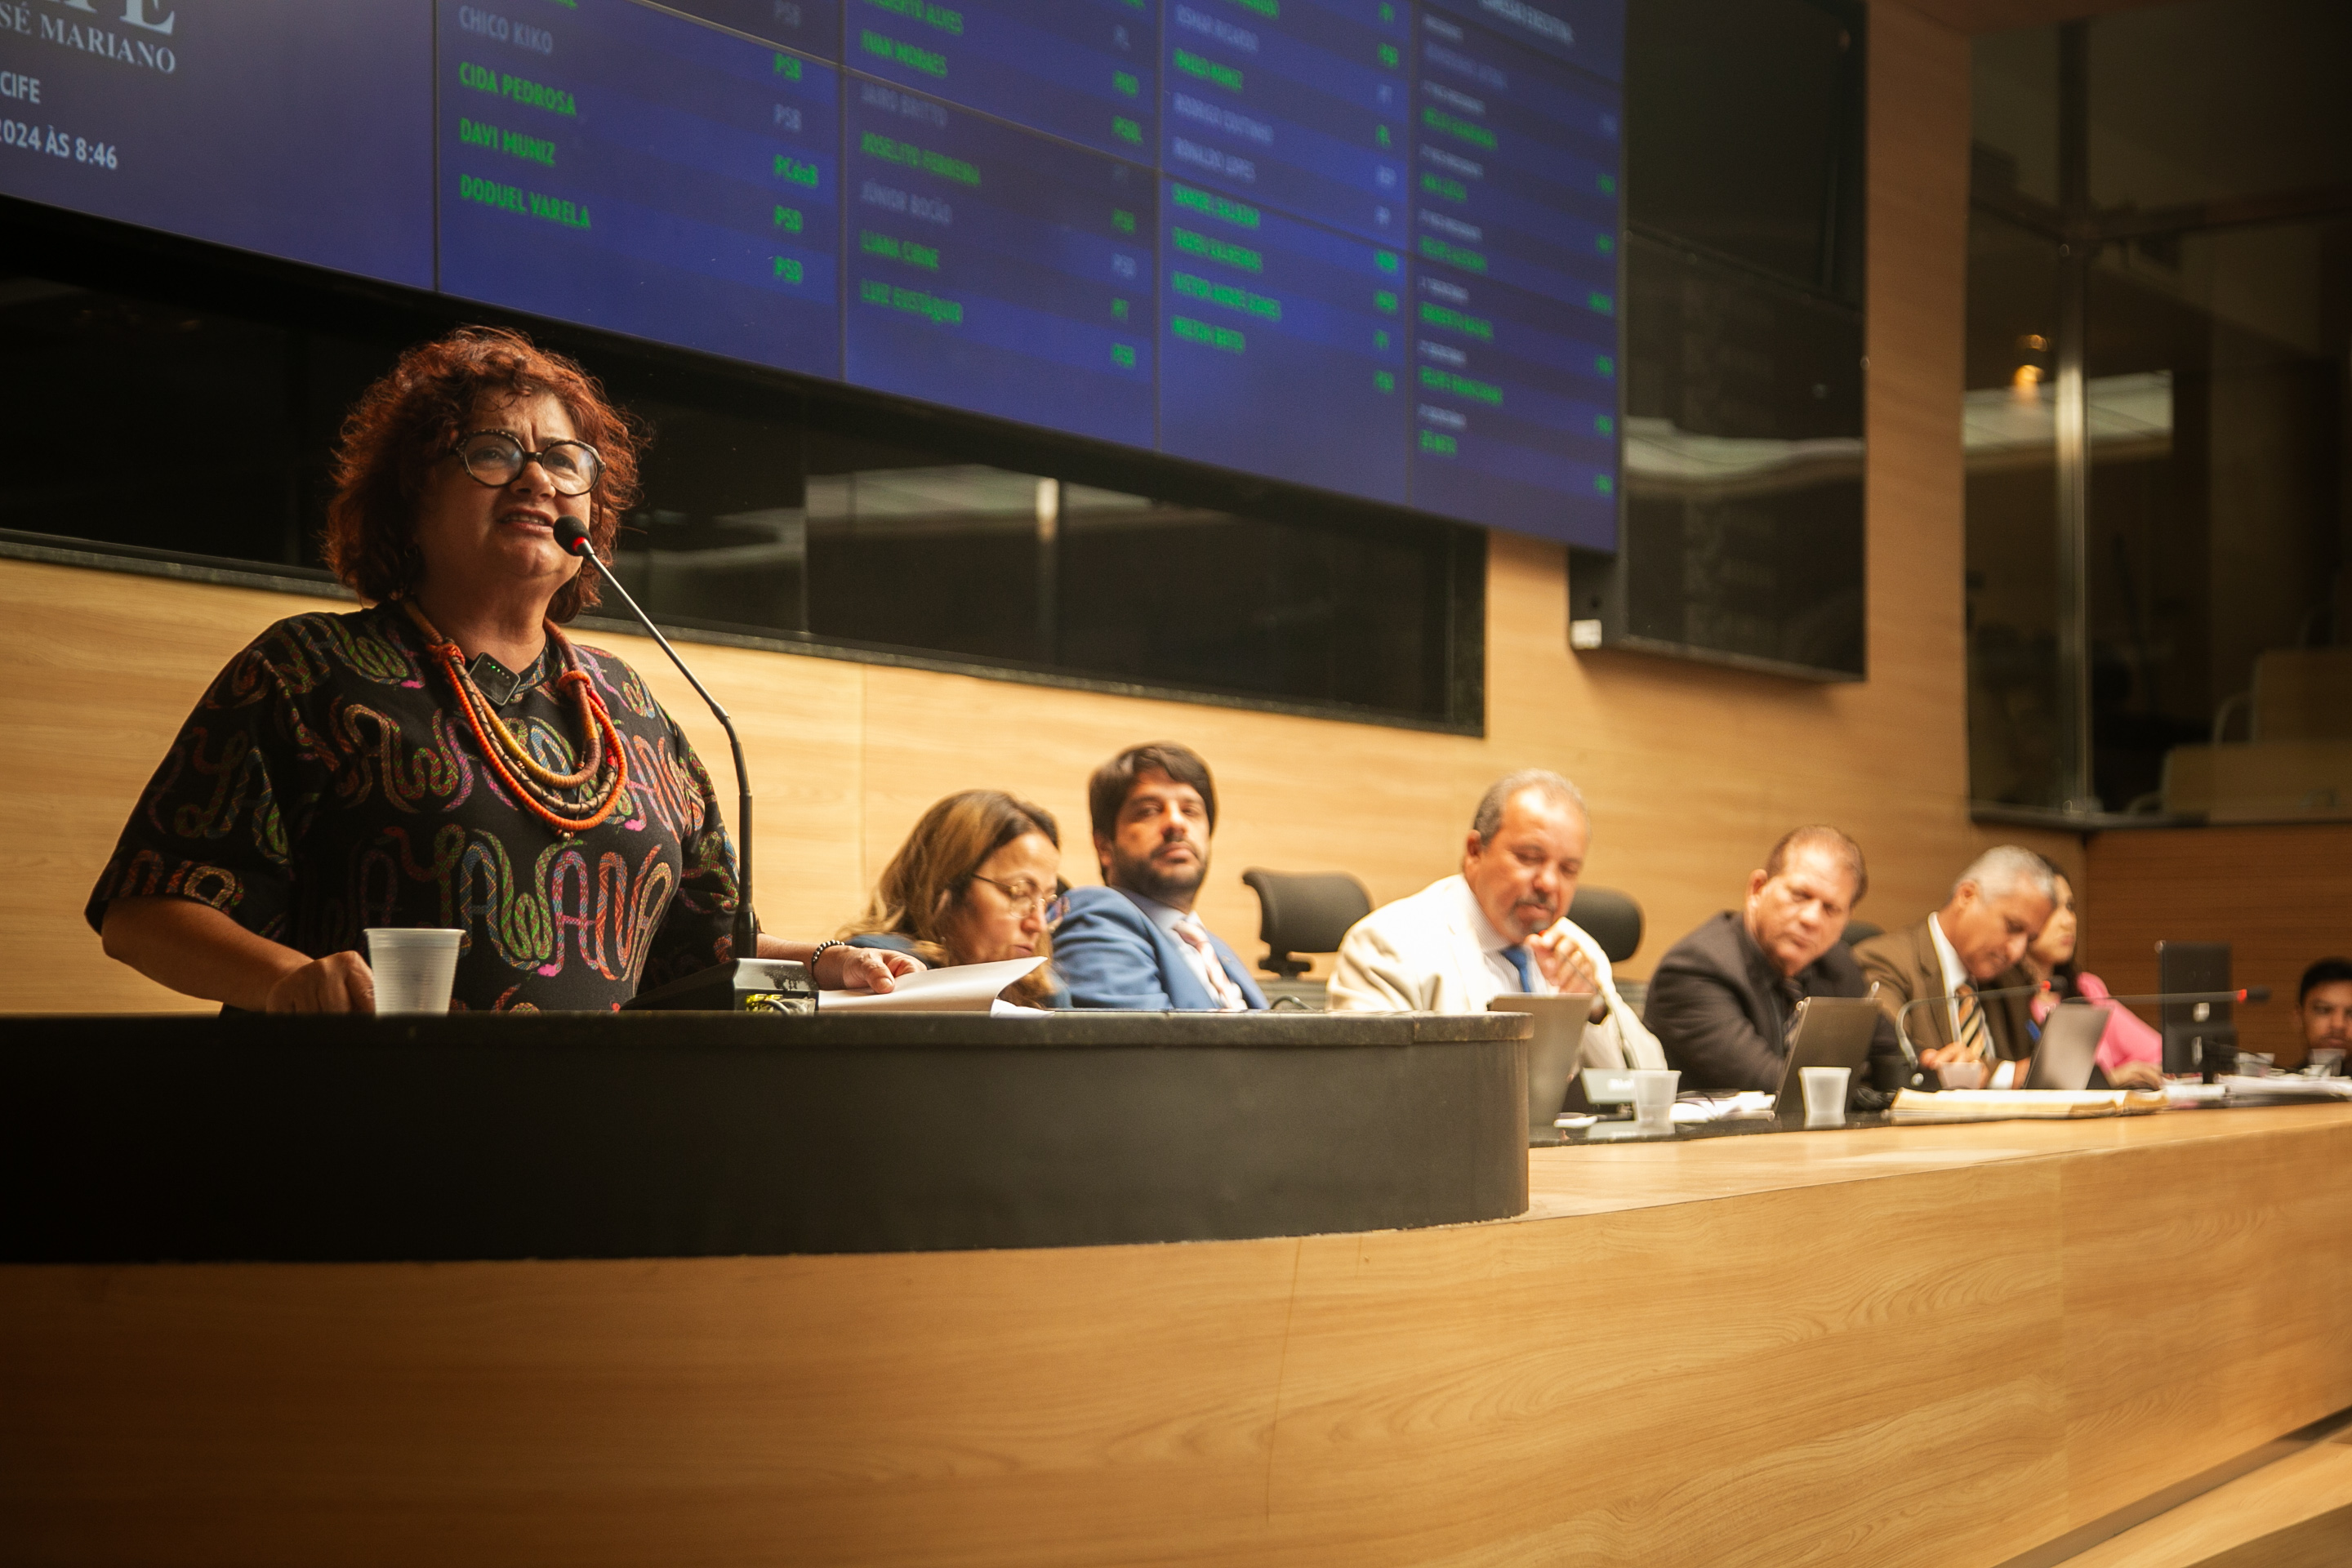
1083 70
1365 245
1587 34
299 129
1296 104
618 167
1514 409
997 270
1516 165
1282 346
811 27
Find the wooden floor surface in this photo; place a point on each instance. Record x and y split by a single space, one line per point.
1914 1346
2294 1513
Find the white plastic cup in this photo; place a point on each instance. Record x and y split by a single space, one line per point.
2329 1061
416 967
1962 1075
1825 1095
1653 1097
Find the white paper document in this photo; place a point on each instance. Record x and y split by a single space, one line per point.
1747 1102
965 988
2285 1089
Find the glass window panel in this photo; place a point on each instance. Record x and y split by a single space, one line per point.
2013 89
756 516
2008 444
1740 133
2219 98
2218 537
723 538
232 420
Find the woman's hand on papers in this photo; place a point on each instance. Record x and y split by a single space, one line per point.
863 968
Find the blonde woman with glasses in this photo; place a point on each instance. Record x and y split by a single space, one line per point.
975 883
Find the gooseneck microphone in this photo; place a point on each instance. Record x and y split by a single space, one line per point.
749 982
2203 999
1903 1014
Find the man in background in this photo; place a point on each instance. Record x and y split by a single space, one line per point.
2323 1006
1973 944
1724 998
1500 927
1135 943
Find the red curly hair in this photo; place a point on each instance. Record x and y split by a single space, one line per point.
411 419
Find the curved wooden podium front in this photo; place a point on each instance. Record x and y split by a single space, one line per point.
1894 1346
688 1135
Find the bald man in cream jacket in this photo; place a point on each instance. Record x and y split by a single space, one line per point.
1499 928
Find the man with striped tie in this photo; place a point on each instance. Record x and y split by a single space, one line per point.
1973 944
1500 927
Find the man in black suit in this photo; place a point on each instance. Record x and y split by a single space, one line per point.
1722 999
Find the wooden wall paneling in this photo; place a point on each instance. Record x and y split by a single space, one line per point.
1809 1350
97 673
2280 896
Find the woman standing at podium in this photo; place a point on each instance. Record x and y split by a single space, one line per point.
445 756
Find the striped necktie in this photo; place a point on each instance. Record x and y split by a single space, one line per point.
1972 1022
1212 969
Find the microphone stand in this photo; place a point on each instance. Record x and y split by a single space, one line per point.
746 982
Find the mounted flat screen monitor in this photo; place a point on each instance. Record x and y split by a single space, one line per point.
1369 247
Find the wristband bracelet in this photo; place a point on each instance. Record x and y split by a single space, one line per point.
818 951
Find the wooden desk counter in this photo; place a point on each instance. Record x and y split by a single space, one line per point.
1927 1345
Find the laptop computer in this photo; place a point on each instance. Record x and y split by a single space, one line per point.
1554 1053
2069 1047
1827 1031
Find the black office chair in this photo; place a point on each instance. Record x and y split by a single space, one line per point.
1860 931
1609 917
1304 913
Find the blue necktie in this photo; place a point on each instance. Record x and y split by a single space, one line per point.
1519 957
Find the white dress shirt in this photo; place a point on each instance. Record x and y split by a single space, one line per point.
1435 952
1491 943
1956 974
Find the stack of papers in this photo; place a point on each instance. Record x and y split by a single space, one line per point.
966 988
2285 1089
1913 1106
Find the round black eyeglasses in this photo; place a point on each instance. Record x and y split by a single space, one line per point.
494 458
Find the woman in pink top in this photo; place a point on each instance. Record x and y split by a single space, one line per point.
2130 1053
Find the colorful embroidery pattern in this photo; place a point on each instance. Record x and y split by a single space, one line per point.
324 785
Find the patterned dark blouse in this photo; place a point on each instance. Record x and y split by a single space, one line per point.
327 782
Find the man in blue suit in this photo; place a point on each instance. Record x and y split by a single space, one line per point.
1135 943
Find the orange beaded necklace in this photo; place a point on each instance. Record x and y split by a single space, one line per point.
539 788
